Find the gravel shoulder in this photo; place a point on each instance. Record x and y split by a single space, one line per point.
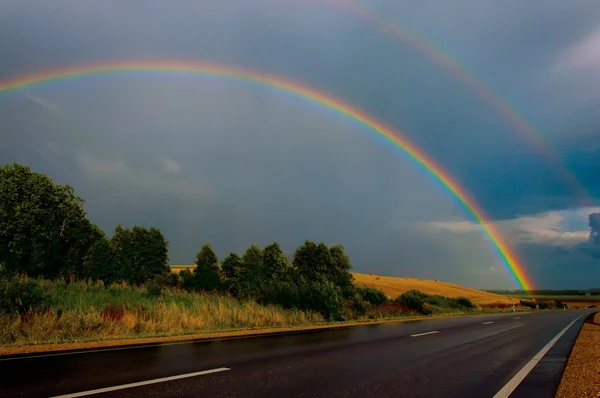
581 377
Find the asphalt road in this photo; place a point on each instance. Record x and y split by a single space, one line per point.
473 356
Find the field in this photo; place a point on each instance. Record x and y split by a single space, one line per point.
393 287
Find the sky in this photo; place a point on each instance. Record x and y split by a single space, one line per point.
231 163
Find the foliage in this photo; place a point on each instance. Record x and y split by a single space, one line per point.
43 226
21 295
100 262
84 310
371 295
206 273
154 288
429 304
232 267
274 260
317 261
141 253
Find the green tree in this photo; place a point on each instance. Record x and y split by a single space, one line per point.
101 263
318 261
141 253
251 275
207 274
274 260
232 266
340 267
43 226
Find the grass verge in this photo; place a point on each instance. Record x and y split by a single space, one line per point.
81 314
581 377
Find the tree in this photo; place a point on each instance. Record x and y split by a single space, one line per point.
251 276
312 260
340 267
232 266
141 253
100 262
206 274
43 226
274 260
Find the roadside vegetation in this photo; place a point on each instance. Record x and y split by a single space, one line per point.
63 279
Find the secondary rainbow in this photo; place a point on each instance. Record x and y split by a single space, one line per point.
509 258
462 73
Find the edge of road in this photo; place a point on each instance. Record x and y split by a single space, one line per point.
581 375
36 350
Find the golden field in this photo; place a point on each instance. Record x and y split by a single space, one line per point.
393 287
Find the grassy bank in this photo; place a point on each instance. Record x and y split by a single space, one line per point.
56 312
83 311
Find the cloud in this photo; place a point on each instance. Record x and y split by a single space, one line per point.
582 56
548 228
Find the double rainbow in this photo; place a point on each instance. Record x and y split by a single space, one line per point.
509 258
460 72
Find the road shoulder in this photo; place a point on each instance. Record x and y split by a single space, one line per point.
581 377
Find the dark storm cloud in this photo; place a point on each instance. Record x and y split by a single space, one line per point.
209 160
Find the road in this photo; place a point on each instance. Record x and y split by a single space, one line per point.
473 356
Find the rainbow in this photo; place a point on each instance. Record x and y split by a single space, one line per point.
462 73
509 258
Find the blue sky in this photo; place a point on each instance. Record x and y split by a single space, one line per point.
230 163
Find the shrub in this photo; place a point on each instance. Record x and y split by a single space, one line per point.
154 288
465 302
413 299
372 296
22 295
429 304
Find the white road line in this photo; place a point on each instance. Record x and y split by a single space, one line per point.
518 378
517 317
141 383
488 322
424 334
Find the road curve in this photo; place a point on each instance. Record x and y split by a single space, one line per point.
474 356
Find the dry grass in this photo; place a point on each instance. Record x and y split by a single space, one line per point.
582 375
83 311
394 287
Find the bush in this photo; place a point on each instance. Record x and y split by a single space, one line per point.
413 299
429 304
371 295
22 295
154 288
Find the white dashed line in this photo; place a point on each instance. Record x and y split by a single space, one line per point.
488 322
518 378
424 334
517 317
141 383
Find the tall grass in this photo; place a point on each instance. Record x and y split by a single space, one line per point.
84 311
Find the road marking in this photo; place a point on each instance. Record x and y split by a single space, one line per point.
488 322
141 383
517 317
424 334
518 378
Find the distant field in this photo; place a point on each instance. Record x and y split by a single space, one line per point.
393 287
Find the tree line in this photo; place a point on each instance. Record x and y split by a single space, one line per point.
45 232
